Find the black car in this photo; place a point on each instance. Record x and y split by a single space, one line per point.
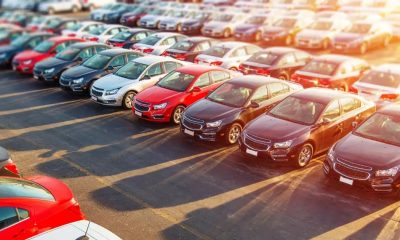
223 114
251 30
196 23
51 69
278 62
112 13
126 39
80 78
188 49
24 42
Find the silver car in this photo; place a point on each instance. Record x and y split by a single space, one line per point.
174 23
228 55
157 43
119 88
152 19
223 25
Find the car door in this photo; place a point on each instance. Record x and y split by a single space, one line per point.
262 98
116 63
16 223
351 112
151 75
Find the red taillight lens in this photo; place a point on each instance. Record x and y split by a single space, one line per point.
324 81
241 68
294 77
196 60
216 63
108 43
93 39
262 71
12 168
165 54
147 50
181 56
389 96
71 35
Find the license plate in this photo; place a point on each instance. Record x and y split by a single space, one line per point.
252 152
346 180
137 113
188 132
35 77
94 98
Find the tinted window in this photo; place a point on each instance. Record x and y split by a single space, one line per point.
151 41
217 51
86 53
8 216
98 61
183 45
203 81
101 48
321 67
332 111
44 46
68 54
154 70
231 95
118 61
260 95
220 76
170 66
169 41
277 89
22 213
350 104
16 188
139 36
60 47
239 52
132 70
176 81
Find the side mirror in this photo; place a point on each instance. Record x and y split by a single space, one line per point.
354 124
79 59
326 121
196 89
145 77
110 68
254 104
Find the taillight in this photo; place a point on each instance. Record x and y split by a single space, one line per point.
241 68
262 71
108 43
12 168
164 54
72 35
181 56
389 96
216 63
148 50
196 60
93 39
294 77
324 81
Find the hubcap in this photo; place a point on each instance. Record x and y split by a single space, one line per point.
305 156
234 134
128 100
178 114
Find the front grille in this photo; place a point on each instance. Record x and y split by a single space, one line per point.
37 72
256 143
352 170
65 82
97 93
142 106
192 123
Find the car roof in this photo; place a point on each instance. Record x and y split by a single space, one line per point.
36 34
281 50
135 30
322 95
232 44
389 67
198 39
253 81
198 69
88 44
335 58
64 38
149 59
392 109
166 34
115 51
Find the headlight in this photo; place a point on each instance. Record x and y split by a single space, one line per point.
357 41
160 106
214 124
77 81
331 154
387 173
3 55
283 144
112 91
49 70
27 62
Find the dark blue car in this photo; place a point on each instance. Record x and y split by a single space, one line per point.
251 30
112 13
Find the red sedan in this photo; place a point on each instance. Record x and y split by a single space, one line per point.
166 101
34 205
25 61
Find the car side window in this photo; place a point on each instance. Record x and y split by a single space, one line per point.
34 42
332 111
202 47
239 52
101 48
251 50
86 53
203 81
132 56
8 217
114 31
288 59
277 89
350 104
139 36
61 47
14 36
168 41
260 95
154 70
346 69
118 61
220 76
170 66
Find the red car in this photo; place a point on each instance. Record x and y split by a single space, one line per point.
34 205
166 101
25 61
331 71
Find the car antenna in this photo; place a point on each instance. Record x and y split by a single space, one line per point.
85 237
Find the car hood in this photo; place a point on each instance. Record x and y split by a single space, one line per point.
113 81
210 111
347 37
379 155
80 71
276 129
50 63
246 27
310 33
58 189
156 94
149 18
8 49
29 54
4 156
101 12
274 30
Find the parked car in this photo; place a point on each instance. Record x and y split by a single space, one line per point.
363 36
50 70
222 25
23 43
35 22
320 33
303 125
8 35
119 88
80 78
380 84
223 114
331 71
103 32
152 19
363 16
332 15
377 165
112 13
394 21
327 5
81 29
77 230
277 62
228 55
56 6
91 5
33 205
22 18
251 29
126 39
284 30
157 43
195 22
173 21
56 25
132 18
190 48
167 100
7 166
25 61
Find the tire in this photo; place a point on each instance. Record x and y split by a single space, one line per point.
158 25
51 11
179 28
233 133
344 88
288 40
325 44
304 156
233 69
127 99
257 37
177 114
227 33
90 86
363 48
75 9
283 76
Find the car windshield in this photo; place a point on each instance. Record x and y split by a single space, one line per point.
74 26
302 111
231 95
97 30
360 28
183 45
122 36
217 51
321 67
53 23
223 18
176 81
17 188
382 128
98 61
386 79
265 58
285 22
21 41
256 20
132 70
151 40
36 20
44 46
68 54
321 25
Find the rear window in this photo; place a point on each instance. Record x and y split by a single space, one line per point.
385 79
264 58
183 45
17 188
217 51
321 67
151 41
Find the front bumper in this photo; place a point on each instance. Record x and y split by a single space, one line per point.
168 27
42 76
212 33
345 48
99 97
163 115
310 44
240 36
204 133
191 29
69 85
274 39
22 68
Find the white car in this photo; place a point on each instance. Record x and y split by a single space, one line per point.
77 230
93 4
152 19
119 88
223 25
157 43
104 32
55 6
228 55
81 29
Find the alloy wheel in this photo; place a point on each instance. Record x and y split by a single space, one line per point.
128 100
176 117
305 155
234 133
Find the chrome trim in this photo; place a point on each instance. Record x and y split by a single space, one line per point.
265 142
355 167
194 121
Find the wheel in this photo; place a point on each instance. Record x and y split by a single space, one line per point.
257 37
283 76
75 9
233 69
51 11
325 44
363 48
158 25
305 155
177 114
227 33
344 88
127 100
233 133
179 28
288 40
138 23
